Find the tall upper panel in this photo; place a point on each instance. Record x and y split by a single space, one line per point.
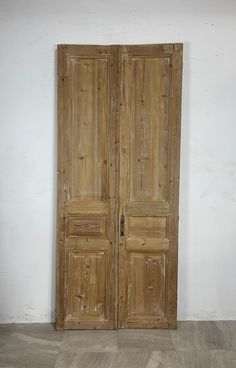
88 84
149 127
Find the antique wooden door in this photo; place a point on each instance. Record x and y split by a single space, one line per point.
118 180
87 197
148 190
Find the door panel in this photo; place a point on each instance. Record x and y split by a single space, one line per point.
87 187
87 114
86 286
147 226
148 119
118 174
149 169
146 291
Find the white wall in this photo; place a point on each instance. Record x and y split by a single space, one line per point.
29 32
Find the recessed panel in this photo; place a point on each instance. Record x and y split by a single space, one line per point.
146 290
137 244
147 226
86 285
149 99
90 226
87 127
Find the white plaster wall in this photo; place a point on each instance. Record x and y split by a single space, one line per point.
29 31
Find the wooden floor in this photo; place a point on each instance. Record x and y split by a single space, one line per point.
192 345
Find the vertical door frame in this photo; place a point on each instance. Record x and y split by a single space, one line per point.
61 193
174 172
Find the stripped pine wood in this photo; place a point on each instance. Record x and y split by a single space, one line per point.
148 188
148 225
87 204
118 182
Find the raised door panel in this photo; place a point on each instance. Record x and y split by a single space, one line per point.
148 111
146 290
87 116
149 168
86 286
87 187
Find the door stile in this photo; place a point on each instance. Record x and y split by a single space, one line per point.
61 193
173 187
123 173
114 179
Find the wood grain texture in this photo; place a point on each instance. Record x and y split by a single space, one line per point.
148 226
86 286
146 244
87 169
87 114
61 193
146 292
86 227
148 189
118 157
173 179
148 119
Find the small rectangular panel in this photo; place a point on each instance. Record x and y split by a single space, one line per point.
91 226
87 244
148 111
86 285
88 84
146 290
147 226
157 208
86 206
146 244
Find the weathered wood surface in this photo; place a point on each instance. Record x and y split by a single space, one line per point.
118 157
149 174
87 197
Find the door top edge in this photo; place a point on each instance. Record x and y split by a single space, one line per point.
120 45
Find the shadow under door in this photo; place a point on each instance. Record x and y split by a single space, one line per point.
118 183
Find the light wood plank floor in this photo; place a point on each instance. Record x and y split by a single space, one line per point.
192 345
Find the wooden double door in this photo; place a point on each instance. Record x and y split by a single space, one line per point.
118 180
